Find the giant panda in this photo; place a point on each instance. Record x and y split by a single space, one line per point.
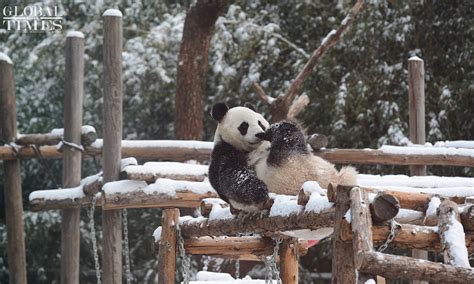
239 131
284 163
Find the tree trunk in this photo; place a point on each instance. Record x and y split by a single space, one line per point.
192 67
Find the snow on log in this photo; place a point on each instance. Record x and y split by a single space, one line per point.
362 240
430 183
63 198
431 219
152 171
427 150
455 144
88 136
452 235
396 267
161 194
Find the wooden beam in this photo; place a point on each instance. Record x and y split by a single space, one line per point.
112 131
343 270
403 267
41 204
72 158
12 181
229 247
289 260
167 246
467 218
53 139
258 224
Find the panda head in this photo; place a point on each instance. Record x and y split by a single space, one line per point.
239 126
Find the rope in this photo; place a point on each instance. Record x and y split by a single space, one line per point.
44 164
14 147
71 145
126 248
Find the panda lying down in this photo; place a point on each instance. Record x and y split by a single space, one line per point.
252 158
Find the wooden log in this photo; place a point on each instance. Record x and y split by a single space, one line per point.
230 247
289 260
112 130
362 240
317 141
72 158
206 206
52 139
12 181
384 207
407 236
167 246
258 224
41 204
452 234
140 199
303 198
343 270
151 174
402 267
467 218
416 94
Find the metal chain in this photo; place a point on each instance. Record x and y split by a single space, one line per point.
237 269
126 248
394 226
186 261
270 264
90 213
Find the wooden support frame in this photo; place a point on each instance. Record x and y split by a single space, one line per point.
40 139
72 158
167 246
289 261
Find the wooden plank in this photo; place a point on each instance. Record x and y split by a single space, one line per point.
233 247
72 158
12 183
112 131
343 270
289 260
167 246
416 94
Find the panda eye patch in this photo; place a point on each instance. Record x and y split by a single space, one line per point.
244 126
261 125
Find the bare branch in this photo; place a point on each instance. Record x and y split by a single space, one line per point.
292 45
329 41
298 105
261 94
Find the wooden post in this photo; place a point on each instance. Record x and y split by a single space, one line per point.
289 260
72 158
343 270
167 246
416 94
112 131
12 185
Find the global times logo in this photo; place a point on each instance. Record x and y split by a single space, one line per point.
31 19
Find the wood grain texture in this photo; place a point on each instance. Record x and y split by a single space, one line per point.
289 260
167 247
72 158
12 183
111 151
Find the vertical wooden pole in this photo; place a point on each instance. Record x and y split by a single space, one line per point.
112 131
416 93
72 158
167 246
289 261
12 184
343 269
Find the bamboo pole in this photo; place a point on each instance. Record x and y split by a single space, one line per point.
416 94
72 158
167 246
289 260
113 98
12 185
343 270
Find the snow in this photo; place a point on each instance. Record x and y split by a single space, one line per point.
6 58
416 181
318 203
170 187
189 144
127 162
455 144
409 216
433 206
370 281
348 216
414 58
207 276
112 12
426 149
284 205
169 168
84 130
219 213
313 187
123 186
157 234
309 235
58 194
455 239
75 34
331 33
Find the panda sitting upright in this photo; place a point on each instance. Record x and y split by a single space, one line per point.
285 163
238 132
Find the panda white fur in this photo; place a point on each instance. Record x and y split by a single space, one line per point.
285 163
238 133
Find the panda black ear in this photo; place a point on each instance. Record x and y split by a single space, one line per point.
218 111
250 106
